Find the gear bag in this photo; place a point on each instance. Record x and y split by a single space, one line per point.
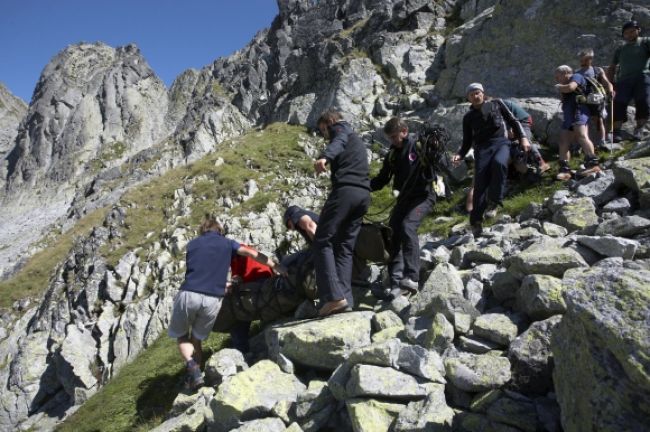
373 243
593 93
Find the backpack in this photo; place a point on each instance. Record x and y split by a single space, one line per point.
593 93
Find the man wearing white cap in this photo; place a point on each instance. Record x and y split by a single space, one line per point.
485 127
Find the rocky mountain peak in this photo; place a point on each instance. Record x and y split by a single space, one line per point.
93 104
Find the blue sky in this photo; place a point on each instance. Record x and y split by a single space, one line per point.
172 35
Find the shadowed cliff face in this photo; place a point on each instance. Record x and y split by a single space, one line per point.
12 111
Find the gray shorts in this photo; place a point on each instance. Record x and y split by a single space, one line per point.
193 311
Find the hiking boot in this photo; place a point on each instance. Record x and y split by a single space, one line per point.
564 173
409 285
591 166
477 229
194 377
616 136
333 307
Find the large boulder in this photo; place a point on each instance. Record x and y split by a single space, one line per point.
383 382
549 258
495 327
442 292
321 344
601 346
531 357
633 173
540 296
475 373
369 415
252 394
626 226
576 215
430 414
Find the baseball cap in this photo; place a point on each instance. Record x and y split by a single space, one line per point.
630 24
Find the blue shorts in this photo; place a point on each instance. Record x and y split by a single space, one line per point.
577 115
634 88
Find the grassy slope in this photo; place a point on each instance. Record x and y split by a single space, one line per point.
141 394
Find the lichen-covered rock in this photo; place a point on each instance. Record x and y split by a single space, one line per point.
553 230
504 285
545 258
540 296
442 287
386 319
577 215
633 173
271 424
625 226
495 327
430 414
421 362
184 400
531 357
383 382
610 246
252 394
222 364
601 345
323 343
476 345
475 373
192 418
488 254
314 406
515 412
369 415
440 334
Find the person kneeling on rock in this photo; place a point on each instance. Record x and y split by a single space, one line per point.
200 296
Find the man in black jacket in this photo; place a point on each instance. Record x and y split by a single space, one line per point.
485 127
413 180
341 216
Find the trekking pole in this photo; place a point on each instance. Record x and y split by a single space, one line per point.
611 124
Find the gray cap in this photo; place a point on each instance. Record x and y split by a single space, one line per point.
474 86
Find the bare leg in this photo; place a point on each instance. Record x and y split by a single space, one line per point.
582 137
469 202
565 139
190 348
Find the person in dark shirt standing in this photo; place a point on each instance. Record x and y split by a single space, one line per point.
199 298
631 68
485 127
416 198
341 216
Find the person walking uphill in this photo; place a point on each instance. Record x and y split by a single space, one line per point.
199 298
485 127
416 198
632 79
341 216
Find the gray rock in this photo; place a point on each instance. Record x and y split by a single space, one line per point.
476 345
431 414
323 343
488 254
610 246
252 394
495 327
600 375
577 214
475 373
626 226
224 363
519 413
540 296
440 334
504 285
386 319
531 358
379 354
76 360
444 280
314 406
462 323
192 418
621 206
376 381
420 362
417 329
185 400
371 414
634 173
545 258
601 189
553 230
270 424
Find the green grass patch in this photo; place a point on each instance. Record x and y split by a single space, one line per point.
33 278
141 395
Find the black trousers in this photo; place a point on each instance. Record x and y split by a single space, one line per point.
490 175
405 221
338 226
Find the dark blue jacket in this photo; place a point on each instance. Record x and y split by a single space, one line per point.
208 261
347 157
